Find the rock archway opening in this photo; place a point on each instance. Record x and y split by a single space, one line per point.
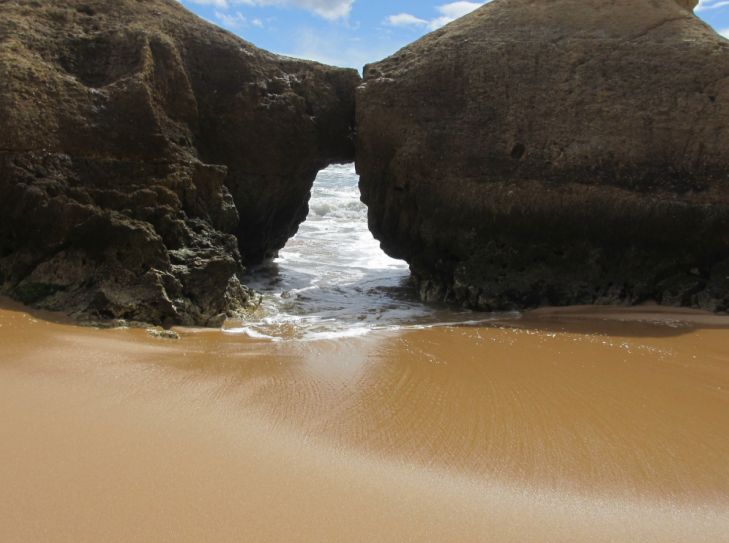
332 277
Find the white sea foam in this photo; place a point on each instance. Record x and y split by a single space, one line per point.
332 280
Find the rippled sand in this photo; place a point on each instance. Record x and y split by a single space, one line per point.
578 425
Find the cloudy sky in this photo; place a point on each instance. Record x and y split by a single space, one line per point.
354 32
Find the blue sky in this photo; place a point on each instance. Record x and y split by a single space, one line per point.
355 32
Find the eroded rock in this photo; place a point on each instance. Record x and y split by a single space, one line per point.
141 148
563 152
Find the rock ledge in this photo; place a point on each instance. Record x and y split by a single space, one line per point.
554 153
146 155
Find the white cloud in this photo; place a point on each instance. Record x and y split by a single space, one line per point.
405 19
448 13
724 33
458 9
216 3
329 9
231 20
711 4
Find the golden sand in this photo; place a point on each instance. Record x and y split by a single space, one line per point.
577 425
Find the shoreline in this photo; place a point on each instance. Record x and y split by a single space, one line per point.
648 312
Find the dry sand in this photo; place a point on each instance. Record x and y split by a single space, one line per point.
570 426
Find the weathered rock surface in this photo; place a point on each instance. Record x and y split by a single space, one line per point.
561 152
141 147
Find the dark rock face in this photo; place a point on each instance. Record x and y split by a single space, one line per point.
563 152
141 147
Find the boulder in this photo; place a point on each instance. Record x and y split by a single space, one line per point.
553 153
146 156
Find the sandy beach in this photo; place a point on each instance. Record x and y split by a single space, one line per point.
346 271
569 426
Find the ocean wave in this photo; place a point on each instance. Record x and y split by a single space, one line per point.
332 280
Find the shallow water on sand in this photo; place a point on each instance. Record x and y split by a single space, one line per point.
579 426
344 410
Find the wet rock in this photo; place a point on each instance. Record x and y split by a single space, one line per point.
161 333
564 152
141 149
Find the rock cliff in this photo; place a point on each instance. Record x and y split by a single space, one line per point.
141 148
554 152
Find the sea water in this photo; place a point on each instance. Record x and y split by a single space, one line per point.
333 280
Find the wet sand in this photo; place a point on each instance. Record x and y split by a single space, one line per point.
580 425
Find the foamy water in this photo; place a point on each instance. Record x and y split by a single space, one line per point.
333 280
